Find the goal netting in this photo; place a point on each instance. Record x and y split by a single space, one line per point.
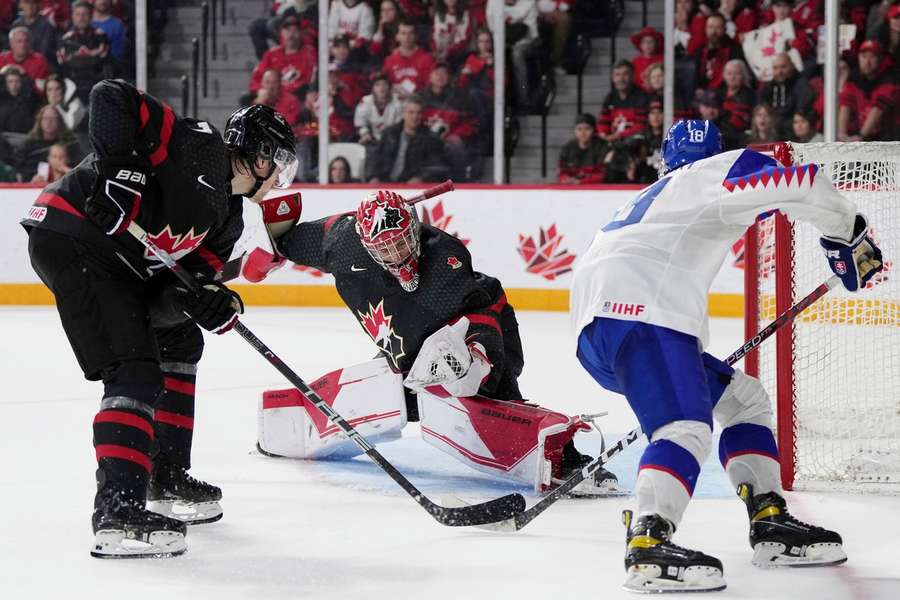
835 374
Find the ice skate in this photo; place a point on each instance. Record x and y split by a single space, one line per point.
175 494
654 564
123 528
780 540
601 484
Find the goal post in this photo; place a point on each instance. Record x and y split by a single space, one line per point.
834 374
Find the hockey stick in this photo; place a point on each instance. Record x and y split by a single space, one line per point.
477 514
524 518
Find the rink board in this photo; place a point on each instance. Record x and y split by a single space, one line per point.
527 236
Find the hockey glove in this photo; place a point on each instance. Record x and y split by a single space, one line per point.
856 261
214 307
260 263
449 366
280 215
116 198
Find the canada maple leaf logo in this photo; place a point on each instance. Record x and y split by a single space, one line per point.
378 325
544 257
176 246
436 217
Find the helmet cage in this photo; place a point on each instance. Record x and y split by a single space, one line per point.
389 231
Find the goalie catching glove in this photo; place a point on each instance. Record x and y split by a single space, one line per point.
856 261
448 365
116 198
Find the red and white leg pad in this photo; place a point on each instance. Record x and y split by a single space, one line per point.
512 440
369 396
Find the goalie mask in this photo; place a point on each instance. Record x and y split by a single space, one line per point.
389 231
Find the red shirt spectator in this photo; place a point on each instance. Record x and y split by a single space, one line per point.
58 12
869 100
690 35
20 54
271 93
739 19
452 31
624 110
447 111
719 49
415 10
408 66
478 70
7 14
737 96
351 82
295 62
384 40
649 43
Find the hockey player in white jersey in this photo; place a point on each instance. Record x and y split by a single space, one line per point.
639 304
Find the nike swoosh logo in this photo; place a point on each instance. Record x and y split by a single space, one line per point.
356 269
200 179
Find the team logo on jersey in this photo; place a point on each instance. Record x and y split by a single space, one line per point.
544 256
437 217
378 325
454 262
385 218
175 245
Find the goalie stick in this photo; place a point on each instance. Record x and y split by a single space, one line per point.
477 514
524 518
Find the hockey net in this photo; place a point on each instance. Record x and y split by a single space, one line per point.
834 375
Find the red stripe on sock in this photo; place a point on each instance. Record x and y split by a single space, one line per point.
174 419
124 418
123 453
176 385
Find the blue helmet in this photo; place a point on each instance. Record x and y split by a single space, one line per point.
688 141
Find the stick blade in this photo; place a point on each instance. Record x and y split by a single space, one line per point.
506 525
468 515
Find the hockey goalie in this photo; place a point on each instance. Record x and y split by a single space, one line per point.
448 342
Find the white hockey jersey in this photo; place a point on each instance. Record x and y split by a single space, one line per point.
356 22
655 261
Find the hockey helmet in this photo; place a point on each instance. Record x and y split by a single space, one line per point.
259 131
688 141
389 231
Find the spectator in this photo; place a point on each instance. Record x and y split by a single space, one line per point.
888 35
762 125
739 18
57 12
408 66
21 56
654 81
353 82
295 61
520 17
408 151
452 32
781 11
18 101
477 79
737 96
649 43
7 15
624 110
719 49
450 116
342 104
339 171
419 13
786 93
354 19
556 16
48 129
803 128
868 102
60 94
83 52
653 135
710 108
42 33
621 166
113 27
56 165
384 40
265 29
690 26
376 111
272 94
581 159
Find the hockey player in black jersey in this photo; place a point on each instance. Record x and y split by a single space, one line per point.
126 317
444 326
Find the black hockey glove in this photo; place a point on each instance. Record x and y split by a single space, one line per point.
116 198
214 307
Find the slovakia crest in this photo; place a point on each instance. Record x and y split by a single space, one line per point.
378 325
175 245
544 256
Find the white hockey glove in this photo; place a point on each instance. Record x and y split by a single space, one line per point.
448 366
855 261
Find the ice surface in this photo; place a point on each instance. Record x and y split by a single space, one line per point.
343 529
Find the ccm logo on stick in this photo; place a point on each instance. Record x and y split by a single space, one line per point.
135 176
624 308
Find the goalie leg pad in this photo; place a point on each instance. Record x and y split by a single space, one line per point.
369 396
511 440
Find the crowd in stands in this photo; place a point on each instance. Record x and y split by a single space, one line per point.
752 67
51 53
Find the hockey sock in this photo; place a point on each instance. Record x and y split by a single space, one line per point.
123 432
749 455
175 412
666 479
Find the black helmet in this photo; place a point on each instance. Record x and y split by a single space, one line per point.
259 131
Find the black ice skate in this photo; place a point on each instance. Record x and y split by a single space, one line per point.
654 564
780 540
602 483
174 493
123 528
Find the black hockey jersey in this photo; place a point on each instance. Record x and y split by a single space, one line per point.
399 321
187 207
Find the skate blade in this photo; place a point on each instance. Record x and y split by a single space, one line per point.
114 543
774 555
189 513
648 579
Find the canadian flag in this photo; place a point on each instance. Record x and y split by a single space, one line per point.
762 45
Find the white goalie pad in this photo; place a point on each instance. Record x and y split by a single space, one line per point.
512 440
369 396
